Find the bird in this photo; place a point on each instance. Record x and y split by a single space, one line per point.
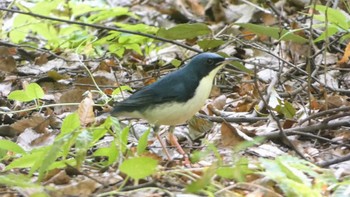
176 97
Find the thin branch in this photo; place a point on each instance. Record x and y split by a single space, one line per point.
323 113
311 128
334 161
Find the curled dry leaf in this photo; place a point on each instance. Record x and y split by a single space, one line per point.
344 62
85 111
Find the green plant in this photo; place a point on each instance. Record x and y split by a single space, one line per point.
334 21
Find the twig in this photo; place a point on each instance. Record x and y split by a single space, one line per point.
312 128
323 113
233 119
334 161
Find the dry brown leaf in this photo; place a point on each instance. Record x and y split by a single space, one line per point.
149 81
335 101
268 19
41 127
288 123
314 105
196 7
216 12
219 102
59 178
105 65
344 61
8 131
199 126
31 122
288 88
30 139
7 63
81 188
85 111
70 96
86 83
41 59
7 51
245 106
229 135
43 140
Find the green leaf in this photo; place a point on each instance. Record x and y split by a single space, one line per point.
32 91
11 146
123 140
293 173
109 13
202 182
49 158
143 142
101 130
238 172
17 180
289 110
111 152
334 16
274 32
209 44
26 161
176 63
19 95
184 31
70 123
120 89
139 167
82 144
331 30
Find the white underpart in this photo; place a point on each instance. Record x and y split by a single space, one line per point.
178 113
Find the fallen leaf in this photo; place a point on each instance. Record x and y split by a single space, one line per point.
229 135
85 111
219 102
41 59
344 61
31 122
199 127
8 64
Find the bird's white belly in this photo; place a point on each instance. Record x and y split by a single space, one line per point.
177 113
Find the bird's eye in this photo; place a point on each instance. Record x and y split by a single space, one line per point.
210 61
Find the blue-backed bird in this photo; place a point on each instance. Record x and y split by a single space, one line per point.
176 97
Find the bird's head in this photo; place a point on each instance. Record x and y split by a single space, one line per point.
204 63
